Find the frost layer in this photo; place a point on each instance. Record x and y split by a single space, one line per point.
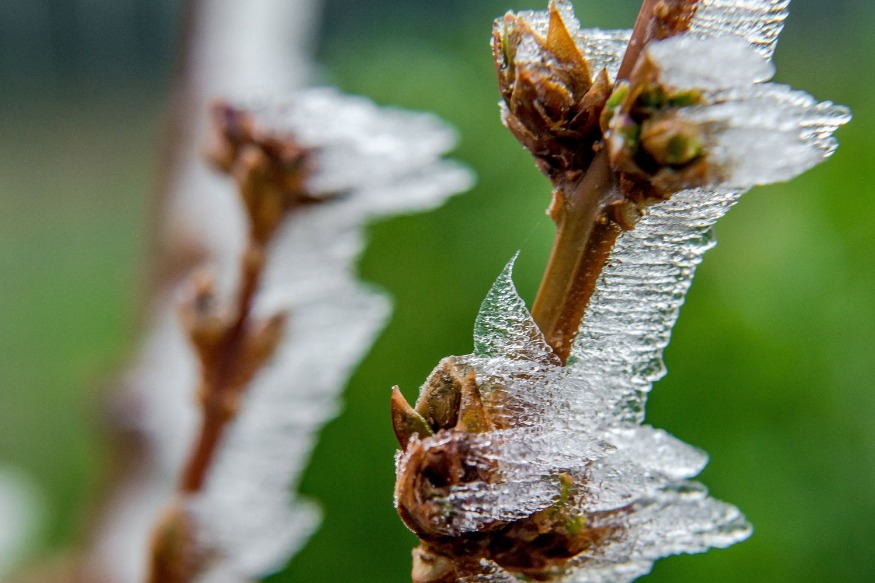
370 162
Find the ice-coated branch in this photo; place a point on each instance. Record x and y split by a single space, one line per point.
528 458
235 50
552 102
312 170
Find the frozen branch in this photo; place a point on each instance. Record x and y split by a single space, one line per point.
528 458
366 162
235 50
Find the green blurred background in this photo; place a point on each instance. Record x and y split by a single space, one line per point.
771 366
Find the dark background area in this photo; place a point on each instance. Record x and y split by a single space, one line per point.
771 366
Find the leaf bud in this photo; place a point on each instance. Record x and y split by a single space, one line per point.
671 141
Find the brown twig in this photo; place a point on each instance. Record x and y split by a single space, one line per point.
218 392
269 172
583 241
589 213
231 345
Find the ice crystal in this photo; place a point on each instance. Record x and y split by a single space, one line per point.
756 22
686 61
629 319
370 162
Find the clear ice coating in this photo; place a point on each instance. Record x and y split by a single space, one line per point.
688 61
751 123
747 121
604 49
509 331
757 22
370 162
636 303
585 420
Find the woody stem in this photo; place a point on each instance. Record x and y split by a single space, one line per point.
217 391
584 235
640 36
583 241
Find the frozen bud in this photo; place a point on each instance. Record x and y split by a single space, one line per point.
654 151
436 473
552 100
697 113
441 447
271 169
439 400
523 55
406 422
430 471
449 399
443 466
671 141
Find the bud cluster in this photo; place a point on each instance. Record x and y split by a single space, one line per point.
444 451
653 151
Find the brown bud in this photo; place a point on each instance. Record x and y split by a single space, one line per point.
439 398
207 327
553 102
270 169
259 343
406 422
431 469
472 415
671 141
537 546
